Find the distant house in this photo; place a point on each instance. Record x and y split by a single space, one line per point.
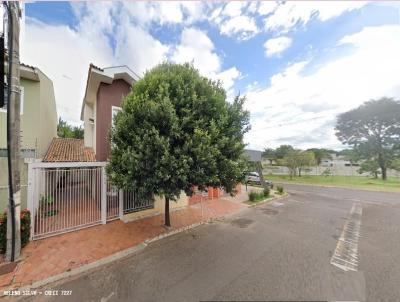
105 90
38 126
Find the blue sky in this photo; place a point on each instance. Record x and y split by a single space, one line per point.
298 63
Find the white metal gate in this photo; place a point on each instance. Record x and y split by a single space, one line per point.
64 197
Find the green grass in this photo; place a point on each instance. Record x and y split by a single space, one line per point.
392 184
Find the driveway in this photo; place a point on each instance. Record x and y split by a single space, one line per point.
317 244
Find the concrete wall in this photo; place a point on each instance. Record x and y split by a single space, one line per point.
108 95
89 134
4 183
159 206
47 116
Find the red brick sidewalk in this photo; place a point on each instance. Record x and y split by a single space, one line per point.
48 257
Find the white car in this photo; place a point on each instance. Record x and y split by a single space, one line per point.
254 177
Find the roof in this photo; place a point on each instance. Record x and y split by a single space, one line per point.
97 75
69 150
253 155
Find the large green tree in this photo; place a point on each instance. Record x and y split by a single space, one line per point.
373 130
176 130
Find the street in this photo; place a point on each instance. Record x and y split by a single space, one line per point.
279 251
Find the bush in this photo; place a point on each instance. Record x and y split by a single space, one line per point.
266 192
257 196
253 196
279 189
25 229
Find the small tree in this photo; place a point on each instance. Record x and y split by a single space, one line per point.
291 162
175 131
305 159
369 166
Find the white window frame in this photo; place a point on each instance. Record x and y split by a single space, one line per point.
114 111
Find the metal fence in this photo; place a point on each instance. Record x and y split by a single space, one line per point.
132 202
63 197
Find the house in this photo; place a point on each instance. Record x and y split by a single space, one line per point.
69 189
38 126
105 90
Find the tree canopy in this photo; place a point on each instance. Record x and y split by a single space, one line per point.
175 131
281 151
68 131
373 130
320 154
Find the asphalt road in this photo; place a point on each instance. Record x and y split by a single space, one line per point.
280 251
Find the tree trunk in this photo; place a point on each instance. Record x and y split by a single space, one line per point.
382 165
299 172
384 175
167 221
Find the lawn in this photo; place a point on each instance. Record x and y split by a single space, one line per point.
392 184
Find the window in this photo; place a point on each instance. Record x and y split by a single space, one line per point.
114 111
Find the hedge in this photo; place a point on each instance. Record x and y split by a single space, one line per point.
25 229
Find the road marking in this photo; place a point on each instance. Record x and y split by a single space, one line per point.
345 256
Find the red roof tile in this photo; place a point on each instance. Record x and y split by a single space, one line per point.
69 150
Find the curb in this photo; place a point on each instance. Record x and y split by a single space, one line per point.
106 260
81 269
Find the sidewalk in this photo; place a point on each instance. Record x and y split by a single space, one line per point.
48 257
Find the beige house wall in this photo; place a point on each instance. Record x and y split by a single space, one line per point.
47 116
159 206
38 127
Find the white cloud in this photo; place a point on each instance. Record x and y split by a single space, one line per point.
165 12
266 7
64 54
288 15
241 26
195 46
274 47
300 107
228 77
234 8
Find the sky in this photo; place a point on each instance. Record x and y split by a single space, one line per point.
299 64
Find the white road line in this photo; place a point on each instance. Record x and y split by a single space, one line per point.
345 256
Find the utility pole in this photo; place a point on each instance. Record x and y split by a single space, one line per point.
13 124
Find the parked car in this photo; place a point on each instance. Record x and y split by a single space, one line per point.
254 177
